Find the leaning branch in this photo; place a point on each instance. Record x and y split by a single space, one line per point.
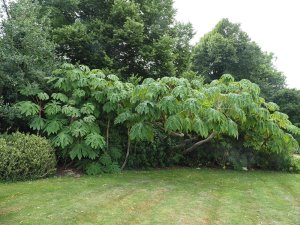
188 150
5 6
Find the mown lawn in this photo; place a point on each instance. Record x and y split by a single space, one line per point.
178 196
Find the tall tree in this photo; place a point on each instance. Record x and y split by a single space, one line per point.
289 103
27 55
26 52
129 37
228 49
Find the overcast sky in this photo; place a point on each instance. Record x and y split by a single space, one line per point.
272 24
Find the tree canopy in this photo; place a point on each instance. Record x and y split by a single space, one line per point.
26 52
127 37
228 49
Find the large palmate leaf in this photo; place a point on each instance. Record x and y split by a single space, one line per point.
60 96
28 108
79 129
88 108
37 123
82 150
95 140
124 116
71 111
144 107
53 126
52 108
200 127
174 123
141 131
43 96
63 139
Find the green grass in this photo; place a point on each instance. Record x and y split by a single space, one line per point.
179 196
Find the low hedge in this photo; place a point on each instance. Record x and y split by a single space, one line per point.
24 156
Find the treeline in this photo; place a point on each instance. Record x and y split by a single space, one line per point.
142 44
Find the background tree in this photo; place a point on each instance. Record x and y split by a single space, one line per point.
129 37
26 55
289 103
26 52
228 49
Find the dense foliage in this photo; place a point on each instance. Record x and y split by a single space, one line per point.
139 37
26 55
187 109
157 109
24 156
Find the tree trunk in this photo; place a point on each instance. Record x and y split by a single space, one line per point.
127 153
107 133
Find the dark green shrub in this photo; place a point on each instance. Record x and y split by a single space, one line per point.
295 165
24 156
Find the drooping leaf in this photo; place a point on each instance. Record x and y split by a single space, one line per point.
141 131
79 93
124 116
52 108
43 96
78 129
89 119
144 107
63 139
95 140
28 108
200 127
61 97
53 126
87 108
71 111
173 123
37 123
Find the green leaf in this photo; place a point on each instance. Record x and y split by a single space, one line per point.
200 127
52 108
61 97
95 140
78 93
89 119
30 90
93 169
105 160
82 150
232 128
173 123
191 105
124 116
141 131
71 111
78 129
87 108
113 77
28 108
63 139
43 96
169 104
144 107
53 126
37 123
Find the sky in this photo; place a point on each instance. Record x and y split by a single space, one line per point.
272 24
